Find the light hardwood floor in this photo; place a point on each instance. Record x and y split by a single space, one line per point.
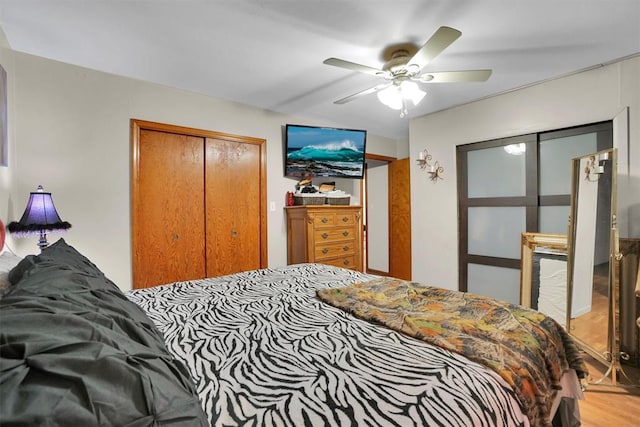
607 406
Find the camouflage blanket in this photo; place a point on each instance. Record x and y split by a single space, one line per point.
529 350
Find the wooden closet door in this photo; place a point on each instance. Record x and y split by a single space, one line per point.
167 204
233 206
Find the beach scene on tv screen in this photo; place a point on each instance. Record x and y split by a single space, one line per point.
325 152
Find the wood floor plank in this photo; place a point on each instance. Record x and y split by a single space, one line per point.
608 406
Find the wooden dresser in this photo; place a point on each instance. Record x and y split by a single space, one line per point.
325 234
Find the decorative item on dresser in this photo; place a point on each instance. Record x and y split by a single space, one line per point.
326 234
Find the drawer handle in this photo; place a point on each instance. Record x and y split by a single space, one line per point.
345 262
345 219
324 220
345 248
325 250
324 235
345 233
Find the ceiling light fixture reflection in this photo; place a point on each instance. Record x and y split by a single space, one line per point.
516 149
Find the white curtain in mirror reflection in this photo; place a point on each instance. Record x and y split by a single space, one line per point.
552 299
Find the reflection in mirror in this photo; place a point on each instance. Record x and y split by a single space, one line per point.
543 269
592 248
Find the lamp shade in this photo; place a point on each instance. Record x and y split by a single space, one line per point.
39 215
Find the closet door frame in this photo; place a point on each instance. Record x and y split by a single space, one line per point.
136 125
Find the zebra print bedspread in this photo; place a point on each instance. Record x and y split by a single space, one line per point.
264 351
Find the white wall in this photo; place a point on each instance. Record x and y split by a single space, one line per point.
587 97
7 183
377 218
70 130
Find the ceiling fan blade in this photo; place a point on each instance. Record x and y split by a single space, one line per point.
354 67
362 93
438 42
455 76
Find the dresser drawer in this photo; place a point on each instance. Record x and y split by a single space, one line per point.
334 219
344 262
333 234
324 220
333 250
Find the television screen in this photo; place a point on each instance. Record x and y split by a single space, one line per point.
322 151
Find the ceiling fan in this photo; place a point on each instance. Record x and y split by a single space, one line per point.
403 70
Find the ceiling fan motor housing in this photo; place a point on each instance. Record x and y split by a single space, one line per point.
397 65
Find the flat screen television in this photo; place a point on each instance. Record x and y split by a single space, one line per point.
324 152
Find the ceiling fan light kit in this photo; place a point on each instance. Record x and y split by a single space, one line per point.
396 96
402 71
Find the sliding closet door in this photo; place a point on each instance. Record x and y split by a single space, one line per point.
198 203
233 218
167 220
508 186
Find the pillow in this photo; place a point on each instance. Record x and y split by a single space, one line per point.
16 273
58 256
7 262
75 351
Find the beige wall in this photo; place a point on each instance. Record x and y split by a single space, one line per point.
586 97
70 133
7 183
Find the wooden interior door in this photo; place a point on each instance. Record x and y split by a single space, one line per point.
167 206
233 206
400 219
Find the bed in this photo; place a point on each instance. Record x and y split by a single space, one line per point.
262 348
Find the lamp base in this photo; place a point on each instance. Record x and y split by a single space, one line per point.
42 243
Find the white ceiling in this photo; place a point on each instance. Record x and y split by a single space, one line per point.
269 53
